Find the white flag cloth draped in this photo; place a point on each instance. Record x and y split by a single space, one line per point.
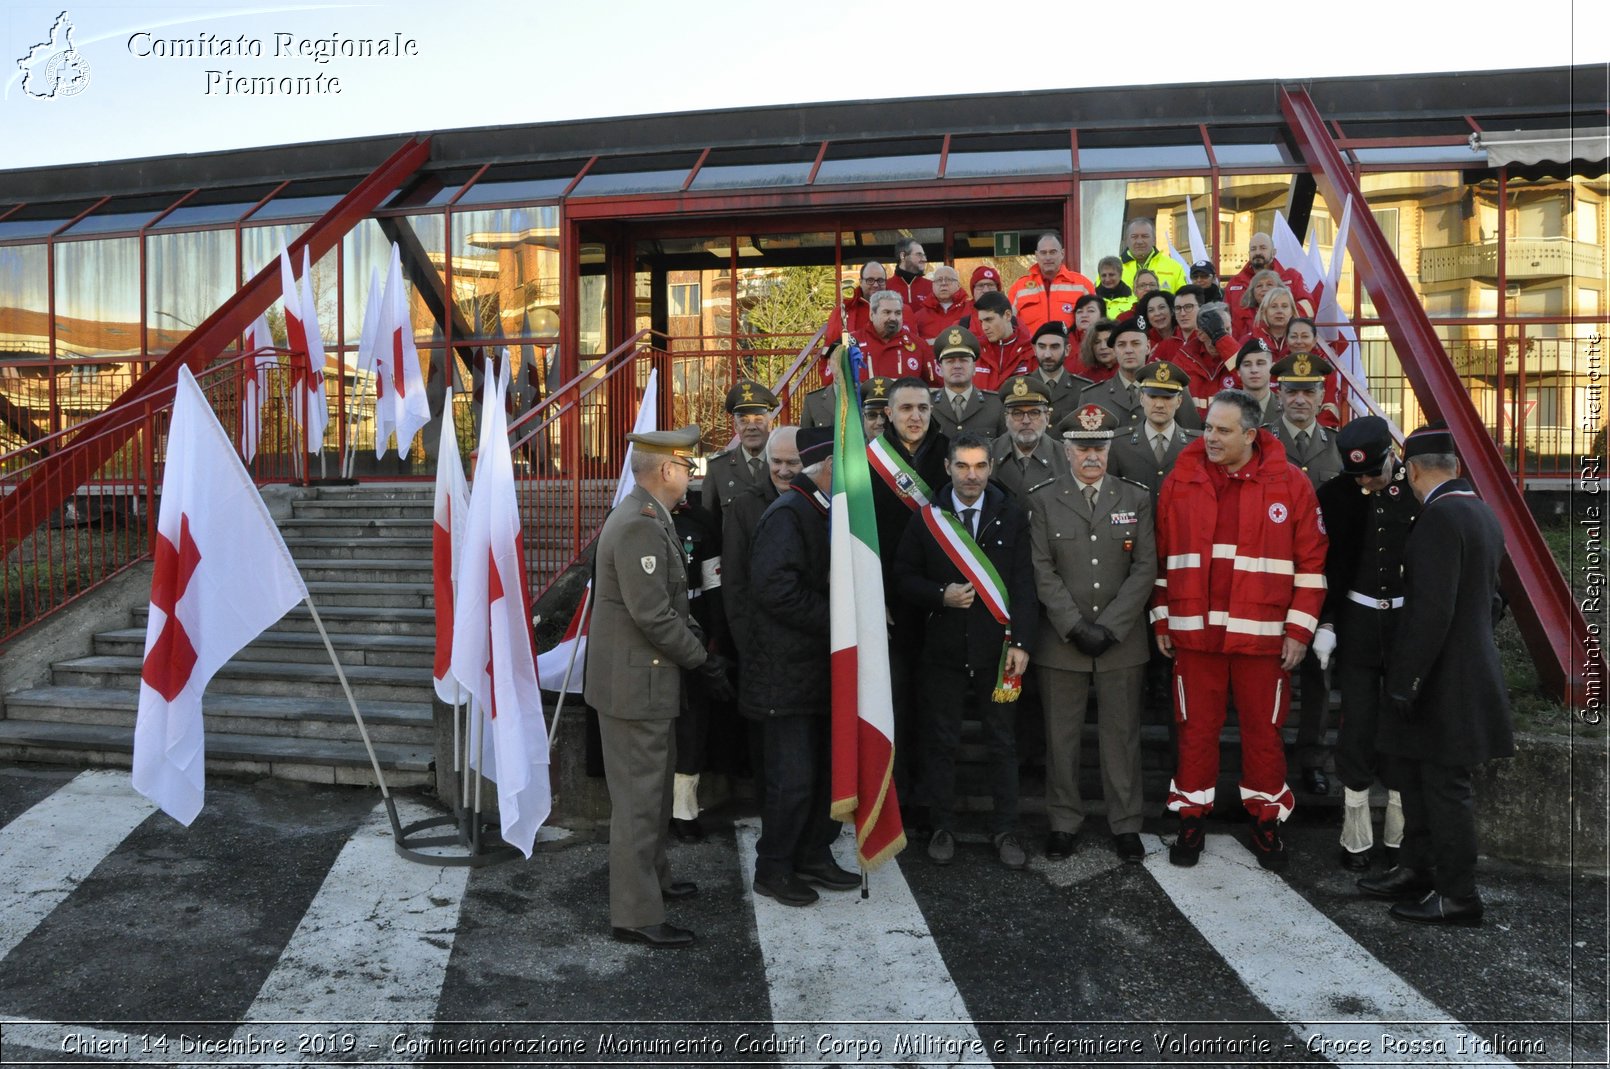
1199 249
552 665
222 576
492 648
446 537
307 366
255 390
372 361
399 360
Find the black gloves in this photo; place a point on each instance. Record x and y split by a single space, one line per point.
713 672
1091 638
1211 322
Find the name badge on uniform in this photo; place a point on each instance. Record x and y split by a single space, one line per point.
1124 517
648 564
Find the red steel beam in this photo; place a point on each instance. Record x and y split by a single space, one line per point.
57 479
1550 621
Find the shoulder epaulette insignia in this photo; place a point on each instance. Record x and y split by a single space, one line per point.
1132 482
647 510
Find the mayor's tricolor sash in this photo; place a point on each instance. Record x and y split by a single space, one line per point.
975 566
900 476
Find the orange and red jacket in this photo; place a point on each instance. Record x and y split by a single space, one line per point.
1236 288
903 355
1278 557
998 362
931 319
1035 303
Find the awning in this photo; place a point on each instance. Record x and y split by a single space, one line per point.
1589 144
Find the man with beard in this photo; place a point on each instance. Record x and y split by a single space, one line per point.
1261 257
888 346
1050 289
910 276
1051 376
1025 457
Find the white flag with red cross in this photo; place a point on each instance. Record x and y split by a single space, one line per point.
405 386
254 391
222 576
493 653
307 373
446 538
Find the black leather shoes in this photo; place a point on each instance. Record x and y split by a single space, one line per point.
1128 846
1359 862
828 875
687 831
679 889
1188 844
1059 845
1441 909
790 890
1397 882
660 936
1315 781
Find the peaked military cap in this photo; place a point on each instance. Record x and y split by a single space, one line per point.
1364 444
1162 379
875 392
678 443
1019 391
1089 424
1432 438
956 341
747 395
1301 370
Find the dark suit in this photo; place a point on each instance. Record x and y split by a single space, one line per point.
1131 457
1019 475
983 415
1098 565
961 650
639 642
1444 660
737 535
1063 394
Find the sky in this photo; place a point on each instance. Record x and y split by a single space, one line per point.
494 62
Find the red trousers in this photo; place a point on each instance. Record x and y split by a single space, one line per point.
1203 683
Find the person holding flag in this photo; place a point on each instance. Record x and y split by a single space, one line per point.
786 682
641 641
965 563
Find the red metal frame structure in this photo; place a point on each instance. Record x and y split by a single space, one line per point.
1550 621
54 481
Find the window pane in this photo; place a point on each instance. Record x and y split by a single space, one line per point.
1556 264
296 208
121 213
214 206
1247 206
98 298
38 220
988 164
878 169
1144 158
506 272
734 176
188 275
261 245
1108 207
367 250
595 185
1462 155
24 303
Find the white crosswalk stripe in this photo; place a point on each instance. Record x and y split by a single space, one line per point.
898 977
1299 964
48 851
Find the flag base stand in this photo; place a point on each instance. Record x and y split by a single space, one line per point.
472 833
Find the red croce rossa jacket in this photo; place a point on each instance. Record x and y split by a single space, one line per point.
1278 556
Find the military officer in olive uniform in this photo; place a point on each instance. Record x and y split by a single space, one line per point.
732 471
961 406
1120 394
1026 456
1147 451
1052 377
820 406
1368 511
640 642
1300 378
1095 563
817 409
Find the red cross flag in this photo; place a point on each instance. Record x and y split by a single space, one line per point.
222 576
399 362
493 653
255 390
446 536
307 353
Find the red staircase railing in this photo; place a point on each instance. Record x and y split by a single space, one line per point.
33 501
1550 620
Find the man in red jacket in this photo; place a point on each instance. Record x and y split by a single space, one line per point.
1241 581
1008 349
1050 289
856 306
910 276
949 307
889 347
1261 257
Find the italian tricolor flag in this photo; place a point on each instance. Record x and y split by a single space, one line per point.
863 707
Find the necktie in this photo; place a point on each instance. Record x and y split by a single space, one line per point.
958 402
754 468
969 516
1090 497
1159 446
1302 440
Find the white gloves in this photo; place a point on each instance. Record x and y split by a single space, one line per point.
1324 645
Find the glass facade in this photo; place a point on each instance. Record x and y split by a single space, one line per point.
1509 263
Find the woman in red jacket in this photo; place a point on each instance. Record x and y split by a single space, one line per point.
1273 320
1086 311
1100 362
1251 300
1157 309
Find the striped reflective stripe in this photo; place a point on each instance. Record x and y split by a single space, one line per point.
1311 580
1179 687
1185 560
1178 798
1282 801
1066 287
1302 619
1185 623
1238 625
1159 613
1274 714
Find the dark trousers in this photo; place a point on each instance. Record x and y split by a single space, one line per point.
948 696
908 719
1312 712
1439 821
1356 760
795 825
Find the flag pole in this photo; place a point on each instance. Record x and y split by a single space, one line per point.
354 419
575 647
